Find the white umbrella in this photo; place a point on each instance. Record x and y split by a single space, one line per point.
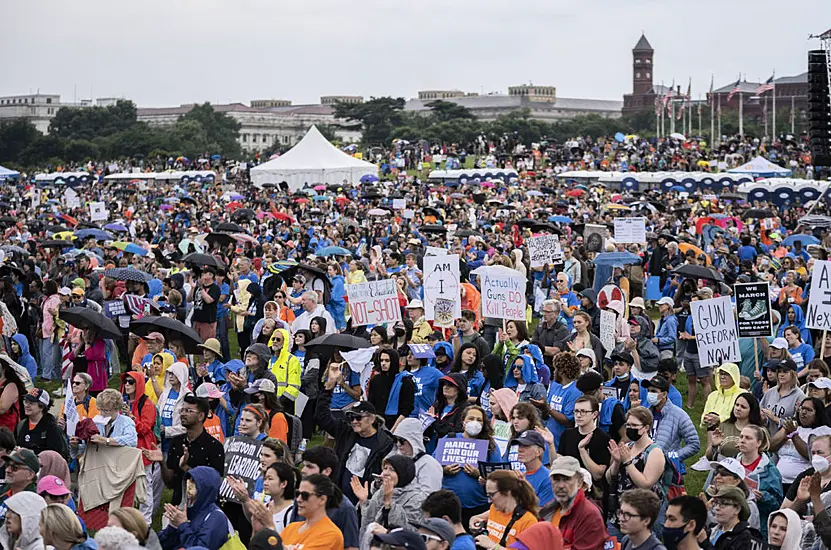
676 135
378 212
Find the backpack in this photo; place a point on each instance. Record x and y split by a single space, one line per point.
295 434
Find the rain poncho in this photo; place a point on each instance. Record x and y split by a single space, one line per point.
285 367
175 428
25 359
28 506
167 360
721 400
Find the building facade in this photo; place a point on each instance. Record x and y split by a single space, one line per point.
39 109
332 99
643 71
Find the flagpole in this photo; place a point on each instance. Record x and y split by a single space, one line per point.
793 116
741 114
672 116
712 121
719 118
699 115
774 107
765 116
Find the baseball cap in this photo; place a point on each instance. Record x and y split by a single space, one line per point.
656 382
64 291
78 281
779 343
300 279
730 464
77 291
439 527
589 381
27 458
786 364
155 336
210 391
399 538
263 385
52 485
529 437
267 539
666 300
37 395
361 407
624 357
822 383
564 466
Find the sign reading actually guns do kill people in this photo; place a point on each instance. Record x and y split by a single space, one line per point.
630 230
452 450
715 331
753 306
242 461
441 285
373 302
818 315
503 292
544 249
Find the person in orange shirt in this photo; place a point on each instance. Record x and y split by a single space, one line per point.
263 392
315 494
513 509
213 423
84 402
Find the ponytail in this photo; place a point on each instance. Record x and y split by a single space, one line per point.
507 481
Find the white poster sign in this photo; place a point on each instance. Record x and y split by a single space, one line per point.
71 199
715 331
98 211
408 214
373 302
435 251
544 249
71 412
630 230
399 204
818 315
441 282
503 292
607 330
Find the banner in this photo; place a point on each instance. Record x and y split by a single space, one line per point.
441 282
630 230
373 302
715 331
544 249
70 410
435 251
753 305
503 292
98 211
607 330
399 204
459 450
242 461
818 315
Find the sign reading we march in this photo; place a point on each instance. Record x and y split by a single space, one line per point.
715 331
818 315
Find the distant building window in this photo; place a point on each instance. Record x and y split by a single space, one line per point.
48 100
637 61
245 138
648 75
637 75
648 61
254 138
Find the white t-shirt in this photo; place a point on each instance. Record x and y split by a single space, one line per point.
282 517
791 463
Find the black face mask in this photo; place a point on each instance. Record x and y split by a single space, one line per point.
632 434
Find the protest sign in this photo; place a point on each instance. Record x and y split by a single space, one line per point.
444 312
715 331
373 302
71 199
242 461
595 237
753 305
399 204
503 292
630 230
607 330
544 249
114 308
453 450
426 420
422 351
408 214
435 251
487 468
98 211
501 435
441 282
70 410
818 315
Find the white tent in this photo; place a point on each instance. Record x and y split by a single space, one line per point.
761 168
312 160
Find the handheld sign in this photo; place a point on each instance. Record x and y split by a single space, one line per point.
242 461
435 251
399 204
607 331
630 230
70 411
544 249
501 435
715 331
503 292
373 302
453 450
441 282
753 305
818 315
98 211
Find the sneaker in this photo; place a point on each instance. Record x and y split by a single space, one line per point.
58 392
746 307
756 311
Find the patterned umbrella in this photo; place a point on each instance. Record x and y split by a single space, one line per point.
128 274
129 248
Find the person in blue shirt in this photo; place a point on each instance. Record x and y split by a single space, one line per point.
211 355
222 315
426 379
796 317
668 368
666 334
522 378
467 362
445 504
801 353
559 408
531 448
348 388
747 251
336 306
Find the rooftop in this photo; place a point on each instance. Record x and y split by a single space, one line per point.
643 45
502 101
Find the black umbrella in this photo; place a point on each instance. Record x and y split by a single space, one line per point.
203 260
172 329
57 244
84 317
56 228
430 211
433 229
189 200
128 274
230 227
222 238
540 227
526 222
479 198
8 220
468 233
269 184
699 272
88 225
243 214
340 341
731 197
758 213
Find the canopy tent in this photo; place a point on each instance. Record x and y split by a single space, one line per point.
312 160
6 173
761 168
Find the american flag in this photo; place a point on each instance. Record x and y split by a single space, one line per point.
765 87
658 103
736 89
710 95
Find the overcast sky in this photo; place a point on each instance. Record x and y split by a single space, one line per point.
168 52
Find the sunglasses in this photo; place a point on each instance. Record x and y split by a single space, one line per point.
129 382
304 495
353 417
427 538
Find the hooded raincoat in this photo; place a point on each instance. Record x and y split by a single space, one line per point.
143 411
174 403
533 389
207 525
167 360
429 472
28 506
799 322
285 368
721 400
793 535
25 359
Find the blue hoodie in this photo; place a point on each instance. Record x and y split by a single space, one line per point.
207 525
543 372
26 360
448 350
799 322
533 389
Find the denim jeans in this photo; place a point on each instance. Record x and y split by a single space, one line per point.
50 353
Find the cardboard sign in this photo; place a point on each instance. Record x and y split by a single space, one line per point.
373 302
242 461
399 204
70 410
71 199
715 331
594 237
441 282
503 292
818 315
435 251
754 310
98 211
460 450
501 435
630 230
544 249
607 330
487 468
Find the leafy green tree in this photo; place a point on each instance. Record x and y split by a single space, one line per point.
15 137
444 111
221 131
41 149
377 117
78 150
91 122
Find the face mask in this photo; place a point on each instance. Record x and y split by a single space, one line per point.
820 463
652 399
673 536
632 434
473 428
623 376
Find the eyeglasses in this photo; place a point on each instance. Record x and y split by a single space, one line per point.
129 382
76 382
548 311
581 411
491 495
626 516
631 427
304 495
427 538
720 503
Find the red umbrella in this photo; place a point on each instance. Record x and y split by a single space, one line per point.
342 200
574 193
233 205
284 217
301 200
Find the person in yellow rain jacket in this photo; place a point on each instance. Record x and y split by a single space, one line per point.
155 375
720 402
285 367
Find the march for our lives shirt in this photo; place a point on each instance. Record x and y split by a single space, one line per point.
561 399
340 398
167 413
426 381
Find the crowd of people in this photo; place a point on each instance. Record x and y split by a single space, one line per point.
187 373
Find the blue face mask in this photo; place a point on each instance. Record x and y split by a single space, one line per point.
623 376
652 399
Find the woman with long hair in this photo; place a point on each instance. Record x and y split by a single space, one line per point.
508 342
451 399
723 440
522 417
93 350
791 442
494 374
392 390
801 352
468 363
513 509
12 391
783 398
378 337
754 444
316 494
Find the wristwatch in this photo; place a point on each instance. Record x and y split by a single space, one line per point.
108 442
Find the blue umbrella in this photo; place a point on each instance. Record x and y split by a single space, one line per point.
616 259
321 198
333 251
368 178
619 137
216 157
678 188
116 227
98 234
236 197
560 219
806 240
